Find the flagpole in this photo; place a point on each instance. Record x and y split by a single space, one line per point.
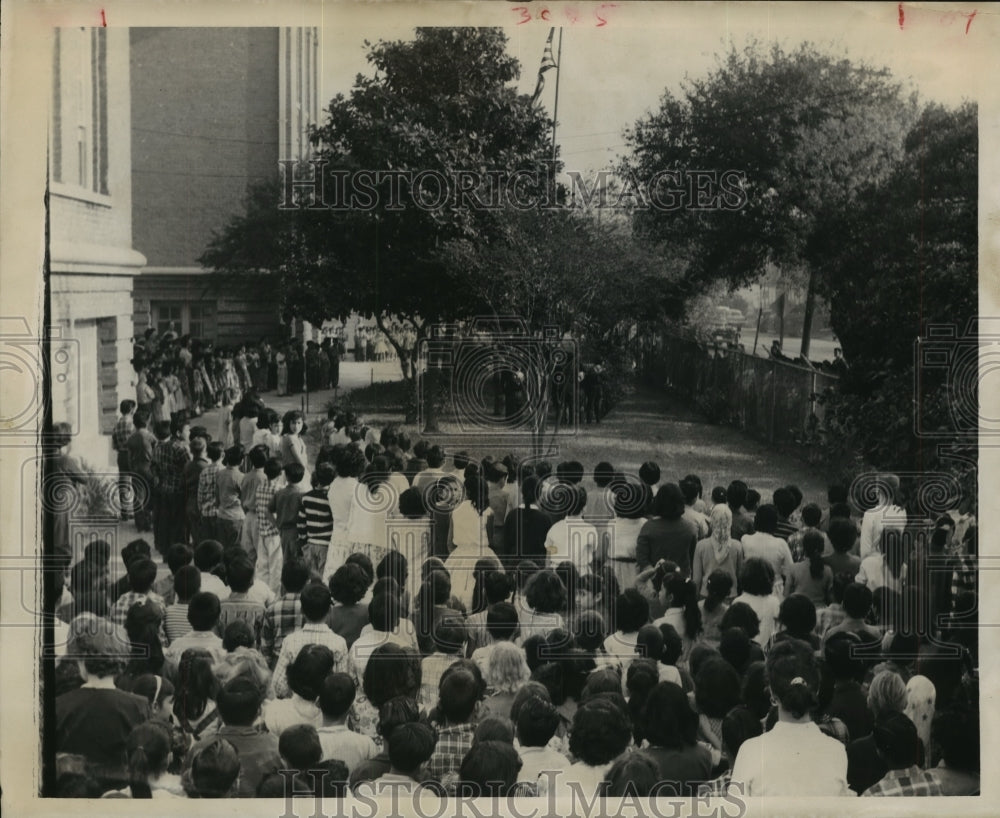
555 107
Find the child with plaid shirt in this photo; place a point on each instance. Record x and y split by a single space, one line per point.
208 492
284 615
269 556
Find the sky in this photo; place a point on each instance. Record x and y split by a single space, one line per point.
613 74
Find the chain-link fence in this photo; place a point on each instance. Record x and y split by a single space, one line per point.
773 400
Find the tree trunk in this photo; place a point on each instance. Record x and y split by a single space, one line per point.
431 378
408 368
807 318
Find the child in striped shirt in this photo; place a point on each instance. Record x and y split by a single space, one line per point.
187 582
315 520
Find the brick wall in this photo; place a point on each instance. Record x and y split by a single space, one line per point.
204 126
239 318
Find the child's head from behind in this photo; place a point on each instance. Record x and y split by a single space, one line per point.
294 472
294 576
757 577
857 600
410 746
601 732
204 611
537 722
337 696
239 702
309 670
798 615
459 693
208 555
272 468
315 601
489 769
631 610
793 677
299 747
348 584
214 771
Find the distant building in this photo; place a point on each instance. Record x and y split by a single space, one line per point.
213 112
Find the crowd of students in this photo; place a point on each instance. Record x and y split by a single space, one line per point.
390 616
181 374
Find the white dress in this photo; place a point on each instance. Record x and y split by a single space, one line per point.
621 538
471 545
367 532
341 496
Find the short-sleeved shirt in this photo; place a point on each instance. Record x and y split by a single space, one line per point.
345 745
228 482
771 549
572 539
240 607
791 760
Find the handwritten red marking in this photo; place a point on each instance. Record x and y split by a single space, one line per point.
525 15
545 14
970 21
597 14
901 16
104 19
572 14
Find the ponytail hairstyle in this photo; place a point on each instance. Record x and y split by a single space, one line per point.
720 583
434 590
812 545
475 490
665 569
793 676
147 754
196 685
154 688
684 594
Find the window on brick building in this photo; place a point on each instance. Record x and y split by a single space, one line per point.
196 320
79 154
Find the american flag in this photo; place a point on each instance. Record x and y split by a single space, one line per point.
548 62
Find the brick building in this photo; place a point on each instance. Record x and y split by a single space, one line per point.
92 256
213 112
155 136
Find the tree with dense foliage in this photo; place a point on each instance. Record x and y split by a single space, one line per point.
443 103
899 265
805 131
